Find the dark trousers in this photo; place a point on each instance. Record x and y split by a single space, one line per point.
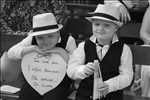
28 93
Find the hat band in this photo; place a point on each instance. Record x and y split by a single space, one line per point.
103 15
45 28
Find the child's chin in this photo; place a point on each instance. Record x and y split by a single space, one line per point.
45 48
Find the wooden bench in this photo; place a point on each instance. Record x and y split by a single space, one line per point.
6 42
141 54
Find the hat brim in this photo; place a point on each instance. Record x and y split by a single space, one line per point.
46 31
104 19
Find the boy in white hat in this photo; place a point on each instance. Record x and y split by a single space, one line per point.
44 38
114 58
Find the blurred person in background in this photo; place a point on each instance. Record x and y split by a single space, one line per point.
145 69
142 72
145 28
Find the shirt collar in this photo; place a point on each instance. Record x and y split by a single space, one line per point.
114 39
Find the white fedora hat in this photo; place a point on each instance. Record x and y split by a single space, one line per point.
106 12
44 24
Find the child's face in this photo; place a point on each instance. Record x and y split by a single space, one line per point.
103 30
47 41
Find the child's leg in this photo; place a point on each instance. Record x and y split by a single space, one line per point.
28 93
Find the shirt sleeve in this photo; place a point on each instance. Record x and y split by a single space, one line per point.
15 52
125 76
76 63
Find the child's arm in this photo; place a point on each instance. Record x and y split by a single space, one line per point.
145 30
77 70
125 77
15 52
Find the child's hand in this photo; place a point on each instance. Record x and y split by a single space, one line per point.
103 89
30 49
89 69
124 14
136 85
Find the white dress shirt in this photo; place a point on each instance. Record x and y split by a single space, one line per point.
77 60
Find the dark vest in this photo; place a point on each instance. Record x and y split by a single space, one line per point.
109 68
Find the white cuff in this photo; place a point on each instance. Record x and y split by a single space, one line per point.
80 74
110 85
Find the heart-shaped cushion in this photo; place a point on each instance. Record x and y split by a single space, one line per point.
43 72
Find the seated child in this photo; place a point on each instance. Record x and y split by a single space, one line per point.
43 39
